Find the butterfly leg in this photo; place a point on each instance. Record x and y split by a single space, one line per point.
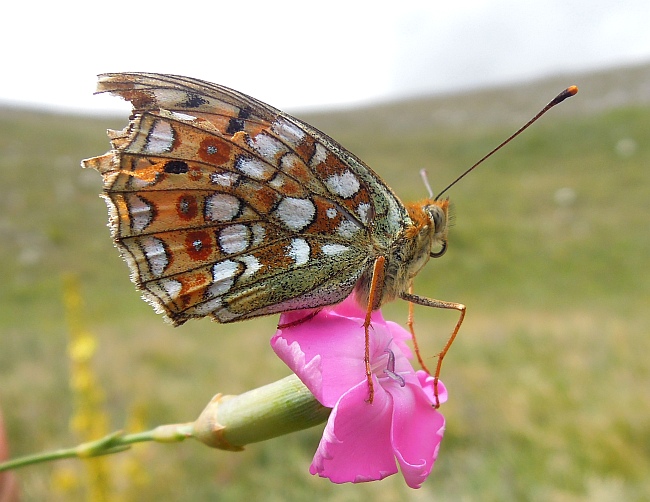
307 317
410 324
428 302
375 293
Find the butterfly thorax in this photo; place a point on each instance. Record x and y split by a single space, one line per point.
423 235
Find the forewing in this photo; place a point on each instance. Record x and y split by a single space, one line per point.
227 207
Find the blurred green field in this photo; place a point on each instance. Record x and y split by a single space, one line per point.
549 379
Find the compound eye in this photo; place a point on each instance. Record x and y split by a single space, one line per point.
437 216
438 254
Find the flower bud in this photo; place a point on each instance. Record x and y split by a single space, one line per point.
230 422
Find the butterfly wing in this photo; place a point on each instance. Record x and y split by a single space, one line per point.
226 207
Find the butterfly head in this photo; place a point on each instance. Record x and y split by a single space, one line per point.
431 220
438 213
428 231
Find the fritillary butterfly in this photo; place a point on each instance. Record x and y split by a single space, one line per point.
226 207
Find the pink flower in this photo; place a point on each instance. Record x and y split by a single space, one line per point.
361 441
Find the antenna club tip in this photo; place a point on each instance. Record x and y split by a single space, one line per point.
566 93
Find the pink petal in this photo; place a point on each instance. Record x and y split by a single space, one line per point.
350 308
417 430
324 355
400 336
356 444
426 382
327 351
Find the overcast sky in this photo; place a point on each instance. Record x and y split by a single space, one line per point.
299 55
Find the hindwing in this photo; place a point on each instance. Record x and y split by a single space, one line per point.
224 206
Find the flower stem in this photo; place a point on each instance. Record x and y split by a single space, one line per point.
227 423
112 443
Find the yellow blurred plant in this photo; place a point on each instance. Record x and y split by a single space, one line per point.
89 420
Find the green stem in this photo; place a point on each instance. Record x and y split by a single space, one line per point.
112 443
227 423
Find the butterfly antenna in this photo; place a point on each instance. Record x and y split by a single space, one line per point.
425 179
567 93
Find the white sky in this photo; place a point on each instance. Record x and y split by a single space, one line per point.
307 54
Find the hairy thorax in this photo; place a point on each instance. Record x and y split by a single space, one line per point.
426 230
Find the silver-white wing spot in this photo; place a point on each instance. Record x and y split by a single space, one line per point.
252 265
160 138
320 154
258 234
154 251
207 307
362 211
334 249
295 213
344 185
278 180
299 250
254 168
223 275
347 229
267 146
171 287
289 132
289 162
182 116
139 183
141 213
234 238
222 207
225 179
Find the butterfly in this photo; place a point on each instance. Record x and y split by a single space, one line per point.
226 207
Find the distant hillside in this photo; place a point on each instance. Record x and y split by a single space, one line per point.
513 104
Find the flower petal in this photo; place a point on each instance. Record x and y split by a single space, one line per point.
417 429
327 351
400 336
323 354
426 382
356 444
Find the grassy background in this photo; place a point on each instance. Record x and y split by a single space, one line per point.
548 380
